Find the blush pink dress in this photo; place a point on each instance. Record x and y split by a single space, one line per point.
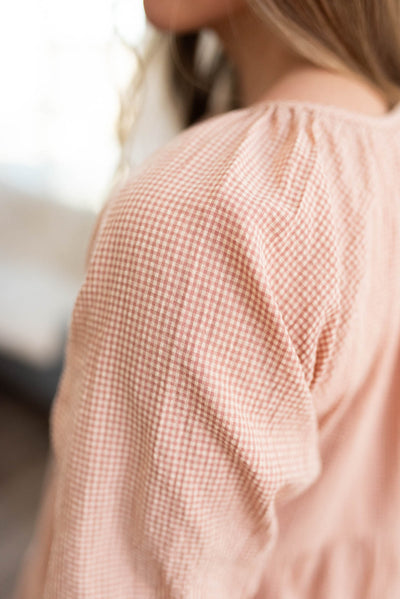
227 425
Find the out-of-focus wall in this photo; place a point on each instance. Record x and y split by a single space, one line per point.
42 250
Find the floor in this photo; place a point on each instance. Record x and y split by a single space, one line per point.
23 456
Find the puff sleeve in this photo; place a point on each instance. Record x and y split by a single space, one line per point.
182 415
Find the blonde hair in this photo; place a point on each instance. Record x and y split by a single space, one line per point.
358 37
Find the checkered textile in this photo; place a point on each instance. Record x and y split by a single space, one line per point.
227 422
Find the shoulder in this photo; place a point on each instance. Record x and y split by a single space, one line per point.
236 203
248 161
249 180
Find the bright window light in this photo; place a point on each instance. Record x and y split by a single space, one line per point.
60 63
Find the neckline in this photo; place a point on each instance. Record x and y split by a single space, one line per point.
337 112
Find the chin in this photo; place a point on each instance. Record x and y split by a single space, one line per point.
171 15
188 15
158 15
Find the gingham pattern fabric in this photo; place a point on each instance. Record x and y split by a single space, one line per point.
227 422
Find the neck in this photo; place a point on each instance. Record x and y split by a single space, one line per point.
246 39
281 74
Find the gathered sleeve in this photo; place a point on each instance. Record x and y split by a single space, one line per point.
182 415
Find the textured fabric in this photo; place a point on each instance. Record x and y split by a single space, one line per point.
227 422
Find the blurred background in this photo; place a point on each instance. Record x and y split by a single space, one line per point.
64 65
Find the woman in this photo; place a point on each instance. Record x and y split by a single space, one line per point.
227 423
